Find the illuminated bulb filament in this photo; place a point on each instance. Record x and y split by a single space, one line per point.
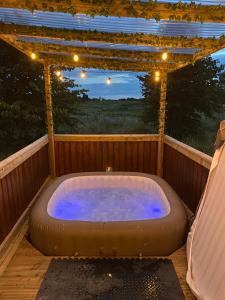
33 55
109 80
58 73
83 74
164 56
75 57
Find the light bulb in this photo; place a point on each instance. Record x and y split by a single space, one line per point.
109 80
58 73
82 74
157 78
164 56
75 57
157 74
33 55
61 78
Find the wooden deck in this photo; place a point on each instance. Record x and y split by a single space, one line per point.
23 276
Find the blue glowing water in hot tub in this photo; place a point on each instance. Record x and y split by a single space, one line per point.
108 204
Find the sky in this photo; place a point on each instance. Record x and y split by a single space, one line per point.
220 55
124 84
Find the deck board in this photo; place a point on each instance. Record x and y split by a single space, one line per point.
23 276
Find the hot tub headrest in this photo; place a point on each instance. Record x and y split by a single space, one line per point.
220 138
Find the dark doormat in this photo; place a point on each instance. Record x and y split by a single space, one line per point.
110 279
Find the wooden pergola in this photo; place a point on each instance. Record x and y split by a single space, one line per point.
102 49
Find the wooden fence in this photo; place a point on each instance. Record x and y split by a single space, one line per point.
21 176
186 170
86 153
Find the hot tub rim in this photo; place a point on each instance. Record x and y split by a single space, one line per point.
41 205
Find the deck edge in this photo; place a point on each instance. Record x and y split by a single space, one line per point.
11 242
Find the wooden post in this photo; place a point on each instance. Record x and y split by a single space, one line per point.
48 98
162 119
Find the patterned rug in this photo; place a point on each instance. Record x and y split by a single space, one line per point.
110 279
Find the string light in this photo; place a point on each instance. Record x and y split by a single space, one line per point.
61 78
109 80
75 57
58 73
157 76
164 56
82 74
33 55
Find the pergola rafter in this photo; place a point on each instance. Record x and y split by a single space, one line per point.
199 55
91 61
125 8
106 63
205 52
109 59
104 52
10 40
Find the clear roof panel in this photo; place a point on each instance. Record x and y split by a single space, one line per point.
100 45
111 24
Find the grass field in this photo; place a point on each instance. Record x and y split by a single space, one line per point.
126 116
106 116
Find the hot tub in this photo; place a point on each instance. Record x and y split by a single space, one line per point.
108 214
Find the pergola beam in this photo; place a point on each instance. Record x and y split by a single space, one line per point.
10 40
104 63
110 60
88 61
205 52
199 55
120 8
116 38
104 52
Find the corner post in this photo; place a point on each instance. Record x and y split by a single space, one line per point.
48 99
162 119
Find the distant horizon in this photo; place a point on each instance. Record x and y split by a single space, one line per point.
124 84
119 99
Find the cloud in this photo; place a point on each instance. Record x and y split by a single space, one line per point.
124 84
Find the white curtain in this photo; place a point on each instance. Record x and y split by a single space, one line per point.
206 240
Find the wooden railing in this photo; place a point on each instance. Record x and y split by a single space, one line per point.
86 153
186 170
21 176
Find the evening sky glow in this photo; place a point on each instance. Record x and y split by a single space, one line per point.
124 84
